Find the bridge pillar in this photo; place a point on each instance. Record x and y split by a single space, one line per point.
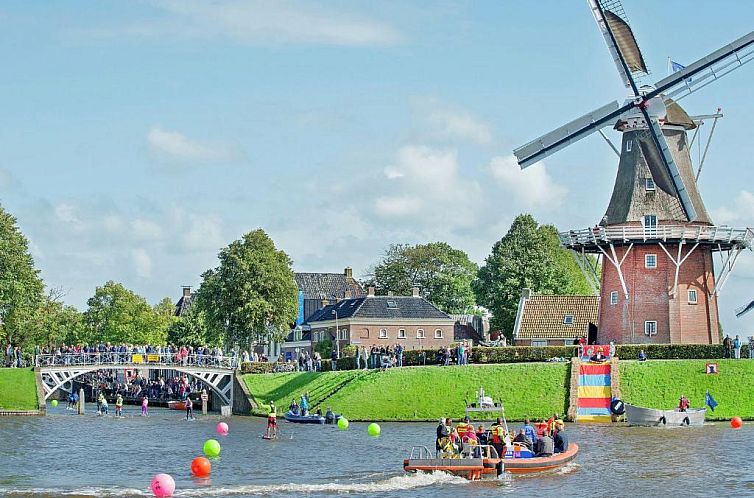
82 402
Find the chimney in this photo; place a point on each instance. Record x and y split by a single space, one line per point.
325 302
347 294
525 293
415 291
348 272
390 293
370 291
186 291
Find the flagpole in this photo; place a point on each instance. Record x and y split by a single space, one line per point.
670 66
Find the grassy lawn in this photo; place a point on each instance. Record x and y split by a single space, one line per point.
422 393
18 389
659 384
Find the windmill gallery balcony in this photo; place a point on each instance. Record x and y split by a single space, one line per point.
720 237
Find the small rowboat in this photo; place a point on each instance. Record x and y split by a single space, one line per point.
304 419
637 415
177 405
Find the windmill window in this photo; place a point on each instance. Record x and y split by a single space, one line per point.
401 333
650 327
692 296
614 297
650 261
420 333
649 184
383 333
629 144
568 320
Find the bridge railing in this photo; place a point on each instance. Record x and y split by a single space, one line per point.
136 360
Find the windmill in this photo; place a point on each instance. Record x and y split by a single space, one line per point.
656 240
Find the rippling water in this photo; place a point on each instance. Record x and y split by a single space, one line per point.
67 455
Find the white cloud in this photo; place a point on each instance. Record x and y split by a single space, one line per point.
66 213
204 232
142 262
532 186
175 146
145 229
460 125
258 21
397 205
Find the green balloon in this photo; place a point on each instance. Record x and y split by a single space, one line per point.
342 423
54 403
211 448
373 430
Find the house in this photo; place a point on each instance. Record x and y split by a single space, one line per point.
554 320
411 321
316 290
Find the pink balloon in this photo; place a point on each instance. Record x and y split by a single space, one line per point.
162 485
222 429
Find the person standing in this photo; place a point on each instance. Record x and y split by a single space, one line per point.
358 358
737 348
334 359
612 349
119 406
461 353
751 347
726 346
443 433
365 355
399 354
144 406
189 409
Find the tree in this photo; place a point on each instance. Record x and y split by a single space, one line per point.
56 323
442 273
21 289
251 296
118 315
190 329
528 256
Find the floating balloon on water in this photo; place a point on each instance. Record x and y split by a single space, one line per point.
54 403
162 485
342 423
201 467
373 430
211 448
222 429
736 422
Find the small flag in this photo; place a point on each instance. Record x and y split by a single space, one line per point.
709 401
676 67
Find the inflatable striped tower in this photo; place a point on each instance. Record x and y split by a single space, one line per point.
594 393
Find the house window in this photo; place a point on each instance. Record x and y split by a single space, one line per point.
383 333
420 333
629 144
364 333
568 320
614 297
438 334
650 327
343 335
650 261
692 296
649 184
401 333
539 343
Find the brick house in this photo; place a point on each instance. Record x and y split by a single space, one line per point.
555 320
411 321
316 290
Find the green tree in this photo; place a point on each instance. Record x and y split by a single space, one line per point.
116 314
442 273
21 289
251 296
56 323
190 329
528 256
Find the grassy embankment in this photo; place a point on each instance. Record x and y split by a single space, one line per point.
18 389
421 393
659 384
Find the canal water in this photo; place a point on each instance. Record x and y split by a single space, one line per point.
63 454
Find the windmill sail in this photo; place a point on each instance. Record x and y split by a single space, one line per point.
626 41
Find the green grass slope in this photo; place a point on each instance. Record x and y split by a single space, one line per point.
18 389
659 384
534 390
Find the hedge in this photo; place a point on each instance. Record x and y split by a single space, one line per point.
675 351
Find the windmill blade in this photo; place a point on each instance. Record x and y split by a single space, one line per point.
707 69
744 309
547 144
622 42
667 158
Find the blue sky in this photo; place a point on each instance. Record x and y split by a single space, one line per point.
138 138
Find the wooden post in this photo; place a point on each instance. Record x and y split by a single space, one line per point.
205 398
82 402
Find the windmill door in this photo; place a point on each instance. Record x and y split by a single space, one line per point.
650 226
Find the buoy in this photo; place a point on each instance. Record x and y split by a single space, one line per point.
617 407
162 485
54 403
211 448
342 423
373 430
736 422
201 467
222 429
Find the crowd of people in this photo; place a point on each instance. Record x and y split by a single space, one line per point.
124 353
463 440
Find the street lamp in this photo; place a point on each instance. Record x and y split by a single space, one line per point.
337 342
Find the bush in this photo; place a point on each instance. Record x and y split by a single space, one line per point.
347 363
675 351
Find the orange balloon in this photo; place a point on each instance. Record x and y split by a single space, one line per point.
736 422
201 467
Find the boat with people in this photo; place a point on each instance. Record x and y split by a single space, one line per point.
297 418
652 417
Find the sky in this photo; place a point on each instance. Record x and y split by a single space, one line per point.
139 138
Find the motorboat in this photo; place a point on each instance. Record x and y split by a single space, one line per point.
530 464
177 405
637 415
297 418
484 405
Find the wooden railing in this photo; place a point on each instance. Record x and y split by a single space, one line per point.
663 233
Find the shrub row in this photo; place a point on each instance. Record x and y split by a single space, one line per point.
675 351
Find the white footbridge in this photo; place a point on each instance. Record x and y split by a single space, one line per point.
58 371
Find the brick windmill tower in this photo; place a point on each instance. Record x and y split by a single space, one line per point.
656 241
